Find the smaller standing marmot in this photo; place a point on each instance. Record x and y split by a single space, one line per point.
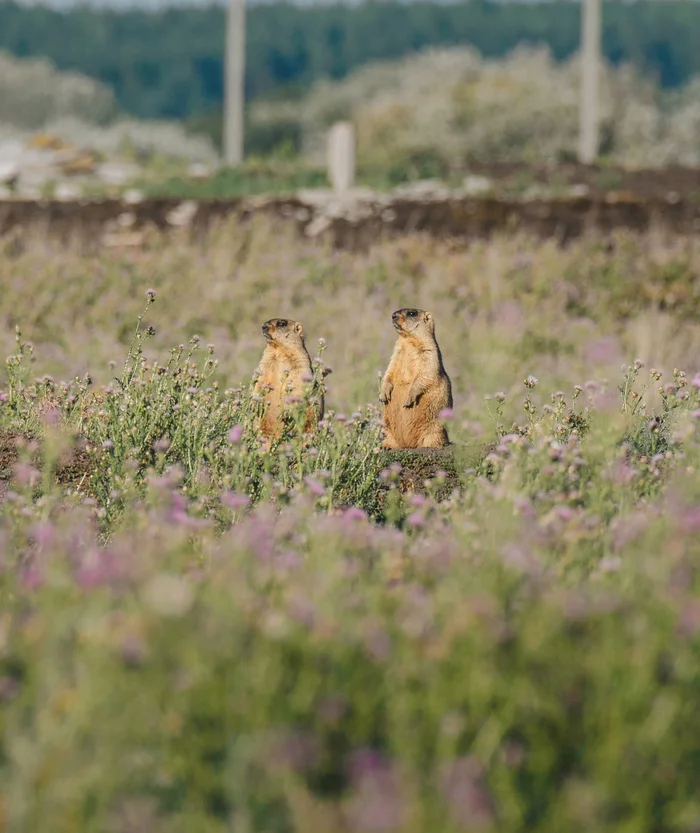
415 387
284 370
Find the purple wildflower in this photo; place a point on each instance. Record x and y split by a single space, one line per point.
689 521
377 804
26 474
235 434
314 486
467 797
31 578
354 514
298 751
689 618
234 501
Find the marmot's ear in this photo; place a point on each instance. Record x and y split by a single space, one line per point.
429 319
298 328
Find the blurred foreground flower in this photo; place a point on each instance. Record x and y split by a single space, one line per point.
168 595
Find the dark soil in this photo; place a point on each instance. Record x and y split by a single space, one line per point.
73 467
659 183
421 466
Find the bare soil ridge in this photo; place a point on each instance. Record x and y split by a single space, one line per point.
569 201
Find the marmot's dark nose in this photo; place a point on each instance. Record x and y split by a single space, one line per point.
266 327
395 316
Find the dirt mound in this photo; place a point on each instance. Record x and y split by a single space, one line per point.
74 465
421 468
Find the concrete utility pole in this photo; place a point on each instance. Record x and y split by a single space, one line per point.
234 79
590 81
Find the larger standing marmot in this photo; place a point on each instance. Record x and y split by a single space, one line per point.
285 370
415 387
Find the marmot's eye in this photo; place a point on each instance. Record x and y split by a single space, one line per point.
412 313
282 323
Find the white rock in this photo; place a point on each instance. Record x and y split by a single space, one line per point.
473 185
9 170
132 196
67 191
116 173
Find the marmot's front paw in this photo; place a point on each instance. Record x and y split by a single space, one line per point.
385 393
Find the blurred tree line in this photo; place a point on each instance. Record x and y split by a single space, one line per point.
168 64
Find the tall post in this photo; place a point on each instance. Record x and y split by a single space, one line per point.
590 81
341 156
234 97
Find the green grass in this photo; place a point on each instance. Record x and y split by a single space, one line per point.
197 635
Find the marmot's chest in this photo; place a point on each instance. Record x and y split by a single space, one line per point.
280 374
406 368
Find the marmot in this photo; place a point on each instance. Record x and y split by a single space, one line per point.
415 387
285 370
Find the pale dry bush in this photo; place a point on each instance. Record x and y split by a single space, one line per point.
34 95
145 138
33 92
458 106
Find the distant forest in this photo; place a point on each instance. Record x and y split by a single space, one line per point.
168 64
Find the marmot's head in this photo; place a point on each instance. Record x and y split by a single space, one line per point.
414 322
283 331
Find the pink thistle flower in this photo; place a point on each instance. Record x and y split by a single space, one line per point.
689 619
235 434
132 650
32 578
9 688
26 474
234 501
298 751
468 799
52 416
377 804
314 486
690 520
42 533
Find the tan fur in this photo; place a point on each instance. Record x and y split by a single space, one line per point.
284 364
415 387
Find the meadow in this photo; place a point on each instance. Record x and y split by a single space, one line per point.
195 635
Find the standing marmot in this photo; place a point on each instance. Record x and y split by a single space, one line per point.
285 370
415 387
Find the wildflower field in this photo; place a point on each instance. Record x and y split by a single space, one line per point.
197 636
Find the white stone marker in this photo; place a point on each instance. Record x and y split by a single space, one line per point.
341 156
